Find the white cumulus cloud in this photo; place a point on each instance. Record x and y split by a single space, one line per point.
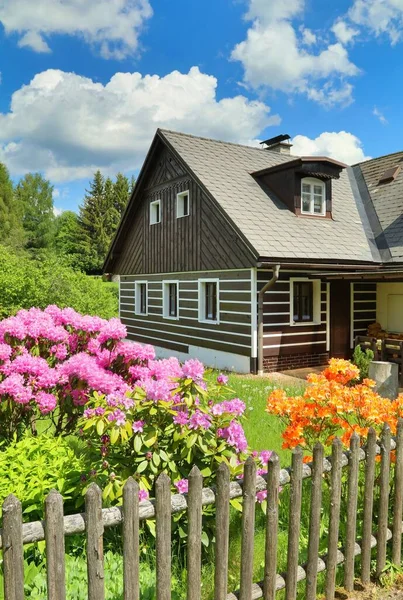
340 145
111 26
68 125
33 40
379 16
274 54
344 32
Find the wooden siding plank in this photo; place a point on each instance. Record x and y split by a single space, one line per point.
156 341
151 337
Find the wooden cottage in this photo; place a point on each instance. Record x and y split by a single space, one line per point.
250 258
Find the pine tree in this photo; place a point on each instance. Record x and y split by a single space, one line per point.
122 193
100 214
35 196
111 216
91 224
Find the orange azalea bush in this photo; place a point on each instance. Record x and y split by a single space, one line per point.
333 405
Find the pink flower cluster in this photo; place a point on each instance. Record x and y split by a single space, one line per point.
56 355
233 407
182 486
235 436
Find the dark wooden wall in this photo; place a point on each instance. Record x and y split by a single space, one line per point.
281 338
231 334
204 240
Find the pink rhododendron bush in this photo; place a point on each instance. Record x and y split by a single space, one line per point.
137 415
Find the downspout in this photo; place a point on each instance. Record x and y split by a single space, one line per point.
265 288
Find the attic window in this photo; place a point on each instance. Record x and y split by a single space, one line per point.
182 204
155 212
313 197
389 175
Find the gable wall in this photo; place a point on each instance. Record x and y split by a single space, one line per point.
204 240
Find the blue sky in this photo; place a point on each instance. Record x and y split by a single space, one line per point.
85 83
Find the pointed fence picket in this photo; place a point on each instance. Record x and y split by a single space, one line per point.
339 552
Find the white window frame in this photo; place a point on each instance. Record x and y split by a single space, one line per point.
313 181
152 205
165 299
137 298
202 300
179 198
316 301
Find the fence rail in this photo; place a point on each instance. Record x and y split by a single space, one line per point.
388 526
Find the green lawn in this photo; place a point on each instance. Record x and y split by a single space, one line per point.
263 431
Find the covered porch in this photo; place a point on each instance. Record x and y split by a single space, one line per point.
366 308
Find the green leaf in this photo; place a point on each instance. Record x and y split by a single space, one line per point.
191 440
150 438
172 466
142 466
114 435
236 504
100 427
164 455
151 526
137 444
107 490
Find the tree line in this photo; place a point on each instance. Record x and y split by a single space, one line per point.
28 220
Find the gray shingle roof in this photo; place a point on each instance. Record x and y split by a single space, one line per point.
387 200
272 229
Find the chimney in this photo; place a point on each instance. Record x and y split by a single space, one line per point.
278 144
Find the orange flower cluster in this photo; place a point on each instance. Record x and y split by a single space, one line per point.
333 406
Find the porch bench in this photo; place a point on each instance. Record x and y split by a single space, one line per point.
367 343
392 351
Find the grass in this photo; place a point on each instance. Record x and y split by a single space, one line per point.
263 431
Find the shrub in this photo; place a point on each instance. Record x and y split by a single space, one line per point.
27 282
50 363
170 422
362 359
33 466
332 405
141 416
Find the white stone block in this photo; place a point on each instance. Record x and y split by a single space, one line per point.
386 376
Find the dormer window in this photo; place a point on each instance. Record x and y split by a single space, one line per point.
304 184
313 197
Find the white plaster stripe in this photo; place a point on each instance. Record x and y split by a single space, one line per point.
298 344
292 333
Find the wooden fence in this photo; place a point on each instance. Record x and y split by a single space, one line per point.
388 526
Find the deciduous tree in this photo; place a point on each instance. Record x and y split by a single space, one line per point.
34 194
